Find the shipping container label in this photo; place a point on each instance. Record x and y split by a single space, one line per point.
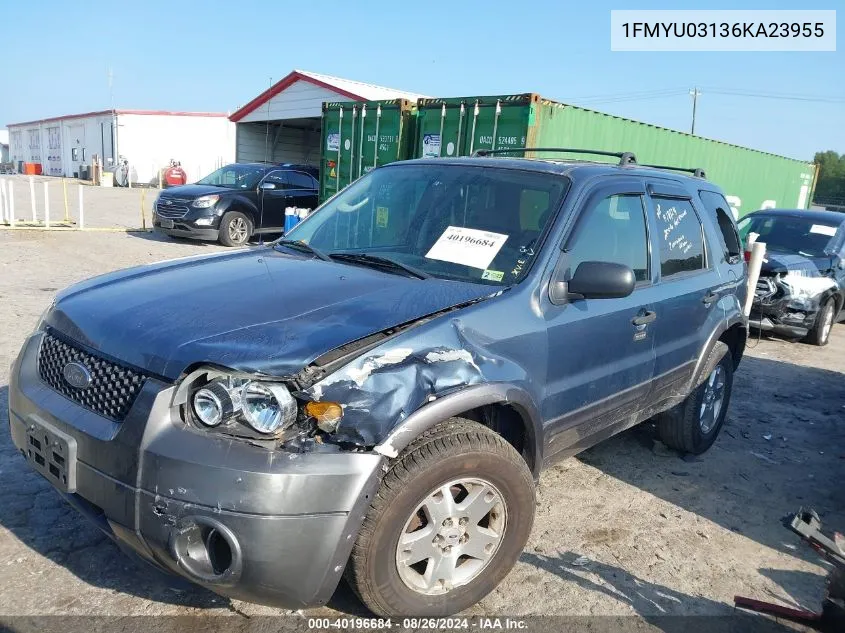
431 146
469 247
333 142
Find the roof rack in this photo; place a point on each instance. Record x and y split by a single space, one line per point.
625 158
698 172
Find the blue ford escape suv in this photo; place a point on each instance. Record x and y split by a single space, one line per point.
377 393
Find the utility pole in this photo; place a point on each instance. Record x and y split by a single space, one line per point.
695 92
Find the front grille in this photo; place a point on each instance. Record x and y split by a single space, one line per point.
177 209
766 289
113 387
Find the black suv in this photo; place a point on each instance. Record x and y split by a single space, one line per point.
379 391
236 202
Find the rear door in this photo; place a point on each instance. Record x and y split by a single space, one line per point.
601 351
690 288
302 189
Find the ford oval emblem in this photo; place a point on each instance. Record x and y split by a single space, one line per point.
77 375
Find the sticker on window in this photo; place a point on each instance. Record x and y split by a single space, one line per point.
382 215
469 247
823 229
493 275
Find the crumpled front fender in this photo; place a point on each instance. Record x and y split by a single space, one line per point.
383 387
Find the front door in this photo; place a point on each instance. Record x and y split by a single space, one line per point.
273 198
601 351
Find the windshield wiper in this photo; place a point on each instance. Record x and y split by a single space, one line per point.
377 261
302 246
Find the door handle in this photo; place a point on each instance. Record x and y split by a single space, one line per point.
710 297
644 318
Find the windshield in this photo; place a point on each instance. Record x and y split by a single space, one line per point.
234 177
456 222
790 234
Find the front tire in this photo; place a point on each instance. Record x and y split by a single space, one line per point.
693 425
820 334
235 229
449 521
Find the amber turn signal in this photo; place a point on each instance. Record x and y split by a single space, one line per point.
327 414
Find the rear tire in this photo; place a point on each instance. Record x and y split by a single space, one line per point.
235 229
693 425
461 500
820 334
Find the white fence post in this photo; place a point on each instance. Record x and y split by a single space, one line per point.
32 198
46 206
81 210
11 201
3 201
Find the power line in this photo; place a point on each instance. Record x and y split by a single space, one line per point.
785 97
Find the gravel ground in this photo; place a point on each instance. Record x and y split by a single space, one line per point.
626 528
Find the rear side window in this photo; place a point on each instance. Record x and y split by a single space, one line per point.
299 180
679 237
720 211
612 230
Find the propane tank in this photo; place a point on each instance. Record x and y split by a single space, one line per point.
175 175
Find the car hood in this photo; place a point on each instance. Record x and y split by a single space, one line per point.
194 191
780 262
257 310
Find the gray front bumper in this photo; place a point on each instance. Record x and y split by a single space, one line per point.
156 485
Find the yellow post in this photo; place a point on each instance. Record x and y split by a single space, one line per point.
64 189
143 215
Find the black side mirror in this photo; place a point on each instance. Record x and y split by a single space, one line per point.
597 280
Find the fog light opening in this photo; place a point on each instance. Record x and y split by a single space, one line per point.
219 552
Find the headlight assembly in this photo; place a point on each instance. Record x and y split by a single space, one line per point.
203 202
266 407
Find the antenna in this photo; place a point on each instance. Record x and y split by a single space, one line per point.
261 191
111 87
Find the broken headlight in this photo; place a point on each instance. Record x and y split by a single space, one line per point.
267 407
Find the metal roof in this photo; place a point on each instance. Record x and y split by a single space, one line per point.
349 88
113 112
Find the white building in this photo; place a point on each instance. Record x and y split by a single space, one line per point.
65 145
282 124
4 146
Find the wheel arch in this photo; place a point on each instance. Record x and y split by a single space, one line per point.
504 408
733 333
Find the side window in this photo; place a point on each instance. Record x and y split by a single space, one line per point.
679 237
612 230
298 180
277 178
720 211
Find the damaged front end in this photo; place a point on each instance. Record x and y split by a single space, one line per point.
788 301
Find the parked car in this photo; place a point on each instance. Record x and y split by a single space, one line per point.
802 282
236 202
379 391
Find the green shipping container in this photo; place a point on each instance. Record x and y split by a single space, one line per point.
358 136
750 178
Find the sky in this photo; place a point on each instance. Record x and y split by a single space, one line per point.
217 55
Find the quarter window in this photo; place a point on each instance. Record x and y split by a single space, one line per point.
614 231
679 236
719 210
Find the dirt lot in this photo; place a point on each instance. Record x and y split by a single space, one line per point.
627 528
